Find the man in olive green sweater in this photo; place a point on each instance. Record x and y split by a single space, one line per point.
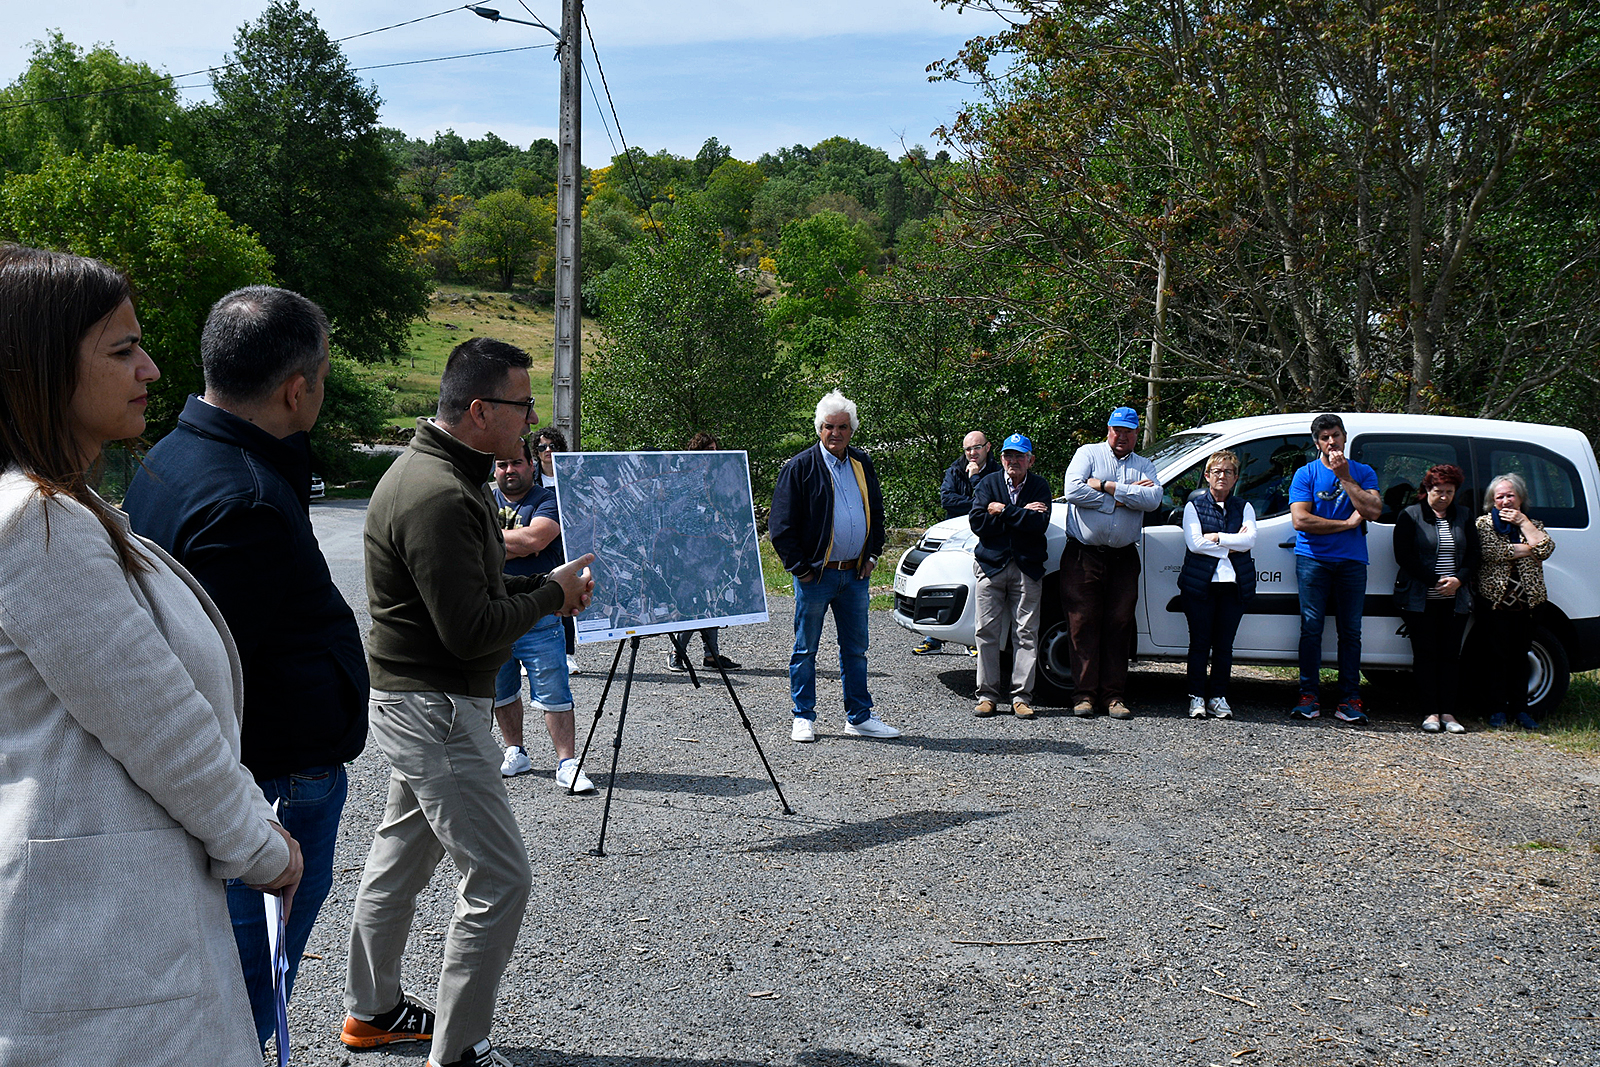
444 615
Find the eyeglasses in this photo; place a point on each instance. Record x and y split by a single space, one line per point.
974 448
1222 470
527 404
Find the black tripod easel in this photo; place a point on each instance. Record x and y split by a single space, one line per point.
681 648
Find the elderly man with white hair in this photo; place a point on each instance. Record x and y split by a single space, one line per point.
827 527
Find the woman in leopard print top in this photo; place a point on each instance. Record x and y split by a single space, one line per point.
1512 551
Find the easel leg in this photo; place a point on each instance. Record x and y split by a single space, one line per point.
598 711
616 744
751 730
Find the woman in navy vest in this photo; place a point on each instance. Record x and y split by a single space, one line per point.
1217 581
1436 546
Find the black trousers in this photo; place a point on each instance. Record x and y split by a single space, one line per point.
1213 623
1509 638
1436 655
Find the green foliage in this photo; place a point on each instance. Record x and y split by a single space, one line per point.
823 259
352 410
684 348
59 106
1366 205
505 232
141 214
292 149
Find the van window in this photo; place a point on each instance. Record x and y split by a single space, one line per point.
1555 491
1266 468
1402 459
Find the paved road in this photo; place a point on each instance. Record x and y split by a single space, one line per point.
338 526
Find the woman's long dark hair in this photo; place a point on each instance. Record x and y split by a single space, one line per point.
48 303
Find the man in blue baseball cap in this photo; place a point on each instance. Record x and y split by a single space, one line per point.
1010 513
1108 490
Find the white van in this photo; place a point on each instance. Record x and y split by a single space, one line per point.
934 583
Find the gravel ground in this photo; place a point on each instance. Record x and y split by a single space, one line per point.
1156 891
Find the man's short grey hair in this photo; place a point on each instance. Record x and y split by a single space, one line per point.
257 338
1517 485
836 403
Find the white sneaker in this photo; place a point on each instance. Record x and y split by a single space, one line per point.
572 665
1218 706
873 727
1197 707
567 771
803 731
516 762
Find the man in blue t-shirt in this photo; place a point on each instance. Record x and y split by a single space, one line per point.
533 546
1330 499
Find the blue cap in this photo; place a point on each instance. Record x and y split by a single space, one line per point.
1124 417
1017 443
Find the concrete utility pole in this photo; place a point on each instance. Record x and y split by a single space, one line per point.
566 376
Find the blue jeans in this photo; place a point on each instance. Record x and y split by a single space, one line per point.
848 596
543 650
1346 582
312 801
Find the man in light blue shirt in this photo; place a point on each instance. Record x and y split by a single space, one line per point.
1108 488
827 527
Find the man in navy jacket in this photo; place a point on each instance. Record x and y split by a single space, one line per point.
228 494
827 527
1010 513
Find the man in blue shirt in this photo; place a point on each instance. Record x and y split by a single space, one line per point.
533 546
1329 500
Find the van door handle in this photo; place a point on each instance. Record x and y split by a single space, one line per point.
1285 544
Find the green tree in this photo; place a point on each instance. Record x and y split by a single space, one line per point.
1320 204
71 101
139 213
823 261
505 232
292 149
684 348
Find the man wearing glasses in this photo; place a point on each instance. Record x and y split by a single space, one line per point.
955 496
1329 500
444 616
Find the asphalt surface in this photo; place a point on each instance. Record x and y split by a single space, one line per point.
1058 891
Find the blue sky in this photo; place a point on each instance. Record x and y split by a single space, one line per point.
755 74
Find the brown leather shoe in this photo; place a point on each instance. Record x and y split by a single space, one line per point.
1021 709
985 709
1118 710
1083 709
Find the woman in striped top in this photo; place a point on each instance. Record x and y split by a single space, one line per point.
1436 546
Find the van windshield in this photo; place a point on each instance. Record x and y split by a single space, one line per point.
1175 447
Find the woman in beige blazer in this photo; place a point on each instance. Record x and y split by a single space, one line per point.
123 805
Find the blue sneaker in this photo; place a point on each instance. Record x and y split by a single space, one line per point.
1497 719
1306 709
1350 711
928 647
1526 721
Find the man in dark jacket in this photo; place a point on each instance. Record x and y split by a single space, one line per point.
827 527
227 493
955 495
1010 513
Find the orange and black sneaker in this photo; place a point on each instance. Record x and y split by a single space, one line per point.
406 1021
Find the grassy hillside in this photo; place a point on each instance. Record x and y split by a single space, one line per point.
456 313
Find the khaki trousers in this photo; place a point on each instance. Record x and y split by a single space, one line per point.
445 796
1008 597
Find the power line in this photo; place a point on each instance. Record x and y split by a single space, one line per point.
169 81
626 154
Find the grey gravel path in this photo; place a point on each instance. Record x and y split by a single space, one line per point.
1157 891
